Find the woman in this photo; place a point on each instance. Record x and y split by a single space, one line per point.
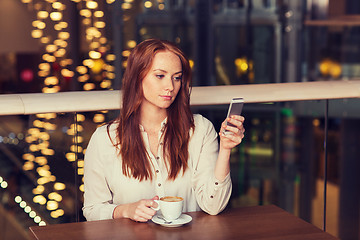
157 147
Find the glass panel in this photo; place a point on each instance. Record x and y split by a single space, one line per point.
252 55
281 161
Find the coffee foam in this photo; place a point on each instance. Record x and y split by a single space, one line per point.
171 199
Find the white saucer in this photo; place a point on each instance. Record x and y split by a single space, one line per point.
183 219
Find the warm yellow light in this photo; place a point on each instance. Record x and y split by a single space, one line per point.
126 6
80 171
59 186
51 80
94 55
85 13
65 62
88 62
79 139
80 117
103 40
42 14
109 68
89 86
26 1
64 35
94 45
63 24
44 66
86 21
57 5
52 205
43 180
98 66
44 172
51 48
28 166
81 69
57 27
110 75
38 123
83 78
55 196
126 53
131 43
70 156
44 40
44 136
33 148
91 4
67 73
98 14
100 24
56 16
98 118
60 53
28 156
53 89
81 163
81 188
110 57
43 73
148 4
37 33
161 6
75 148
41 160
39 199
105 84
40 25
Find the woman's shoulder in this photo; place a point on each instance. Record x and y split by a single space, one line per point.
105 130
202 122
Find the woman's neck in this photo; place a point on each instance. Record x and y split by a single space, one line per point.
151 119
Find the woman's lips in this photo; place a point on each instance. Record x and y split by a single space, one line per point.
168 98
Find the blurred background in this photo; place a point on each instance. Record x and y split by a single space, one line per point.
49 46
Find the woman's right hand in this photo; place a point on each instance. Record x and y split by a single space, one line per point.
140 211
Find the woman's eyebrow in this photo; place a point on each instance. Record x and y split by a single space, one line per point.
158 69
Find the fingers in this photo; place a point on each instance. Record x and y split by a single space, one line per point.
143 211
234 125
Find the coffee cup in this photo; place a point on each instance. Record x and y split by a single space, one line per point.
170 206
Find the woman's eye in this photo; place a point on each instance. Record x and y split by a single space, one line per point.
178 78
160 76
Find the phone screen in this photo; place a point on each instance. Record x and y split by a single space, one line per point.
235 108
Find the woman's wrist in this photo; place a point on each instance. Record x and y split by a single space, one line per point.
120 212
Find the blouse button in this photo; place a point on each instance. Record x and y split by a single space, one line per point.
159 184
216 183
157 158
157 171
211 196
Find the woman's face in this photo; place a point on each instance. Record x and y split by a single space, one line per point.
163 81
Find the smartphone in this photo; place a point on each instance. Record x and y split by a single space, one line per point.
235 108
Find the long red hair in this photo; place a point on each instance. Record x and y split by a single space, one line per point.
135 159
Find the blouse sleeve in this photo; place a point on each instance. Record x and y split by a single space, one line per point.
98 203
211 194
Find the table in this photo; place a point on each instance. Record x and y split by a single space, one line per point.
259 222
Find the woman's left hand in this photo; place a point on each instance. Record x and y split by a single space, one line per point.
235 134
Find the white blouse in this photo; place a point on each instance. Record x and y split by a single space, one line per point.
106 186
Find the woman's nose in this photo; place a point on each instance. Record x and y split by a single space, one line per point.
169 85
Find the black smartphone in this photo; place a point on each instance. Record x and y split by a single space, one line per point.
235 108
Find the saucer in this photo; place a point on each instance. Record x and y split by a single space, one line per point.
183 219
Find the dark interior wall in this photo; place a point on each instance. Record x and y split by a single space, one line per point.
15 28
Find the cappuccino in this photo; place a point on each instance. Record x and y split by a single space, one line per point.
171 199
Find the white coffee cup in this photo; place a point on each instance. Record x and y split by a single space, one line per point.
171 207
